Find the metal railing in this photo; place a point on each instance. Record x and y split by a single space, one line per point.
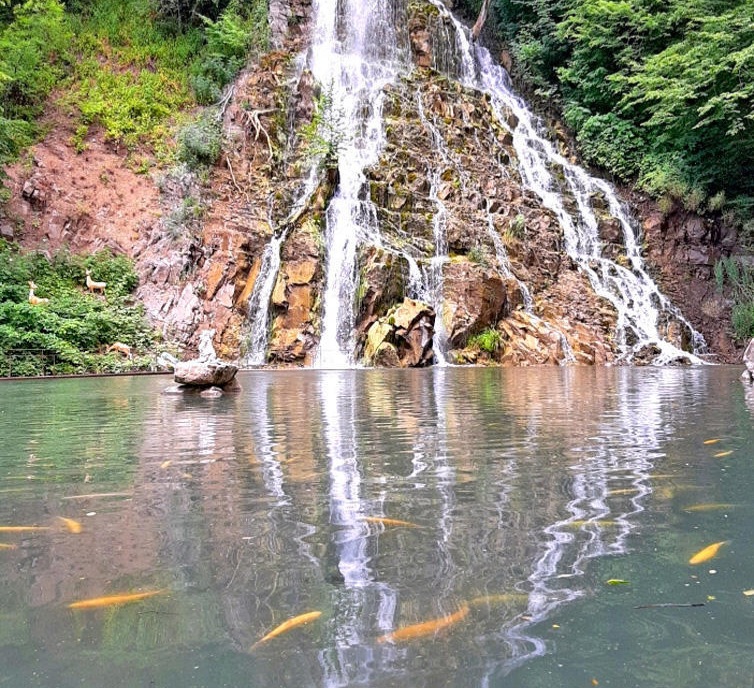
15 362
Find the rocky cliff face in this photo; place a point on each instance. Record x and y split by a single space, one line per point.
200 248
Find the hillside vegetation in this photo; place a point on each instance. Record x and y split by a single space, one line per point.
70 329
136 70
656 92
128 66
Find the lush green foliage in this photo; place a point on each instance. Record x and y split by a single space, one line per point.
199 142
488 340
32 49
740 280
128 66
237 32
659 92
69 333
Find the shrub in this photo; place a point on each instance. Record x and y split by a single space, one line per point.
200 142
488 340
66 334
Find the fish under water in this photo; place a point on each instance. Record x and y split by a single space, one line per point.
602 523
425 628
500 598
382 520
708 552
709 507
114 600
299 620
95 495
5 545
71 525
22 529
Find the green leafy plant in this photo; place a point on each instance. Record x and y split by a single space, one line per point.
69 332
325 136
740 280
488 340
200 141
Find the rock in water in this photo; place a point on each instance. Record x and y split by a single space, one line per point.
204 374
748 374
207 370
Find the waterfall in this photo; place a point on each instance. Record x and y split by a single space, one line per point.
640 306
359 47
259 301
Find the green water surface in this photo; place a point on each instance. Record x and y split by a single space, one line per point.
524 491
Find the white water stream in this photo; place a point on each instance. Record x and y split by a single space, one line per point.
360 47
640 306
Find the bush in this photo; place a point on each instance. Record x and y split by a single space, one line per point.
66 334
200 142
488 340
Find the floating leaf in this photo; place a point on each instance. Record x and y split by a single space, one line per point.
617 581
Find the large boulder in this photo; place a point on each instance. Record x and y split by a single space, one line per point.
207 370
403 338
199 373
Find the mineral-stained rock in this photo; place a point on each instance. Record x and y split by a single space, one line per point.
402 338
475 298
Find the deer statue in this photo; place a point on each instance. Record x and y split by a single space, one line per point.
121 348
35 300
93 286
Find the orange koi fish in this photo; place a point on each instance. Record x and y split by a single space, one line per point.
113 600
720 455
715 440
22 529
299 620
389 521
4 545
709 507
707 553
425 628
503 598
70 524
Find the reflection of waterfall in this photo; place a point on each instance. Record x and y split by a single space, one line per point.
358 48
351 660
272 473
609 484
642 310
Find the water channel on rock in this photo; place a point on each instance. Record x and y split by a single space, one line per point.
522 492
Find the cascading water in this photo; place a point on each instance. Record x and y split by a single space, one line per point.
359 47
640 306
259 301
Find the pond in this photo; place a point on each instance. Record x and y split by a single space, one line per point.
442 527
